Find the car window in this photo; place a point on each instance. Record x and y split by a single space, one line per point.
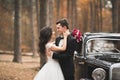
103 46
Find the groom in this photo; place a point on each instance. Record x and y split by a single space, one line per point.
65 58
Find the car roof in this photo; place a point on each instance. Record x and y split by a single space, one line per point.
101 33
89 35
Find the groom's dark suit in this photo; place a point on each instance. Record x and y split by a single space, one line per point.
65 58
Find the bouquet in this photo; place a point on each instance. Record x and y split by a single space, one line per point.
77 34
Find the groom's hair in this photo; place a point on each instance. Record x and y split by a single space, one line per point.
63 22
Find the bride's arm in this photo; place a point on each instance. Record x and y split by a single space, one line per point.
63 47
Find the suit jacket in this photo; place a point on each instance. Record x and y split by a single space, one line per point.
65 58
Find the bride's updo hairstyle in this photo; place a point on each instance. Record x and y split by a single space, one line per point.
45 36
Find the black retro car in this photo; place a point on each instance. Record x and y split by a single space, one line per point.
100 57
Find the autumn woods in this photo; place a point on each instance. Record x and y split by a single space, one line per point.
21 20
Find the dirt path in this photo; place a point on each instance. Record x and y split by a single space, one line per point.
18 71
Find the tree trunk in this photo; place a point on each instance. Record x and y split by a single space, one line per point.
119 16
95 18
85 17
17 32
58 9
37 14
115 15
34 29
93 14
43 21
74 14
100 29
43 13
50 12
97 15
69 12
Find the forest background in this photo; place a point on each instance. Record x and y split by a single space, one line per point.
21 20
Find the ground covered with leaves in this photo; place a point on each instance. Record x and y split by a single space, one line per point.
18 71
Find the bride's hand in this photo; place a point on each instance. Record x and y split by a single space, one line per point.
66 33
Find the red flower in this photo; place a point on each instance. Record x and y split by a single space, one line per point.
77 34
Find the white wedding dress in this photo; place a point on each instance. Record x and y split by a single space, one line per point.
51 70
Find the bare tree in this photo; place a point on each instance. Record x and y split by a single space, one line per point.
17 32
119 16
50 12
100 29
115 15
91 14
85 18
93 18
37 13
43 20
74 14
69 11
96 15
58 8
34 29
43 13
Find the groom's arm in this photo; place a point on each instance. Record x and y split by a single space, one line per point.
66 54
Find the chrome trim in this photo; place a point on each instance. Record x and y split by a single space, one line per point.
111 68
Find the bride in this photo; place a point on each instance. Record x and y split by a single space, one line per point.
51 70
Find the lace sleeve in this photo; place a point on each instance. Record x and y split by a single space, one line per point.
48 45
